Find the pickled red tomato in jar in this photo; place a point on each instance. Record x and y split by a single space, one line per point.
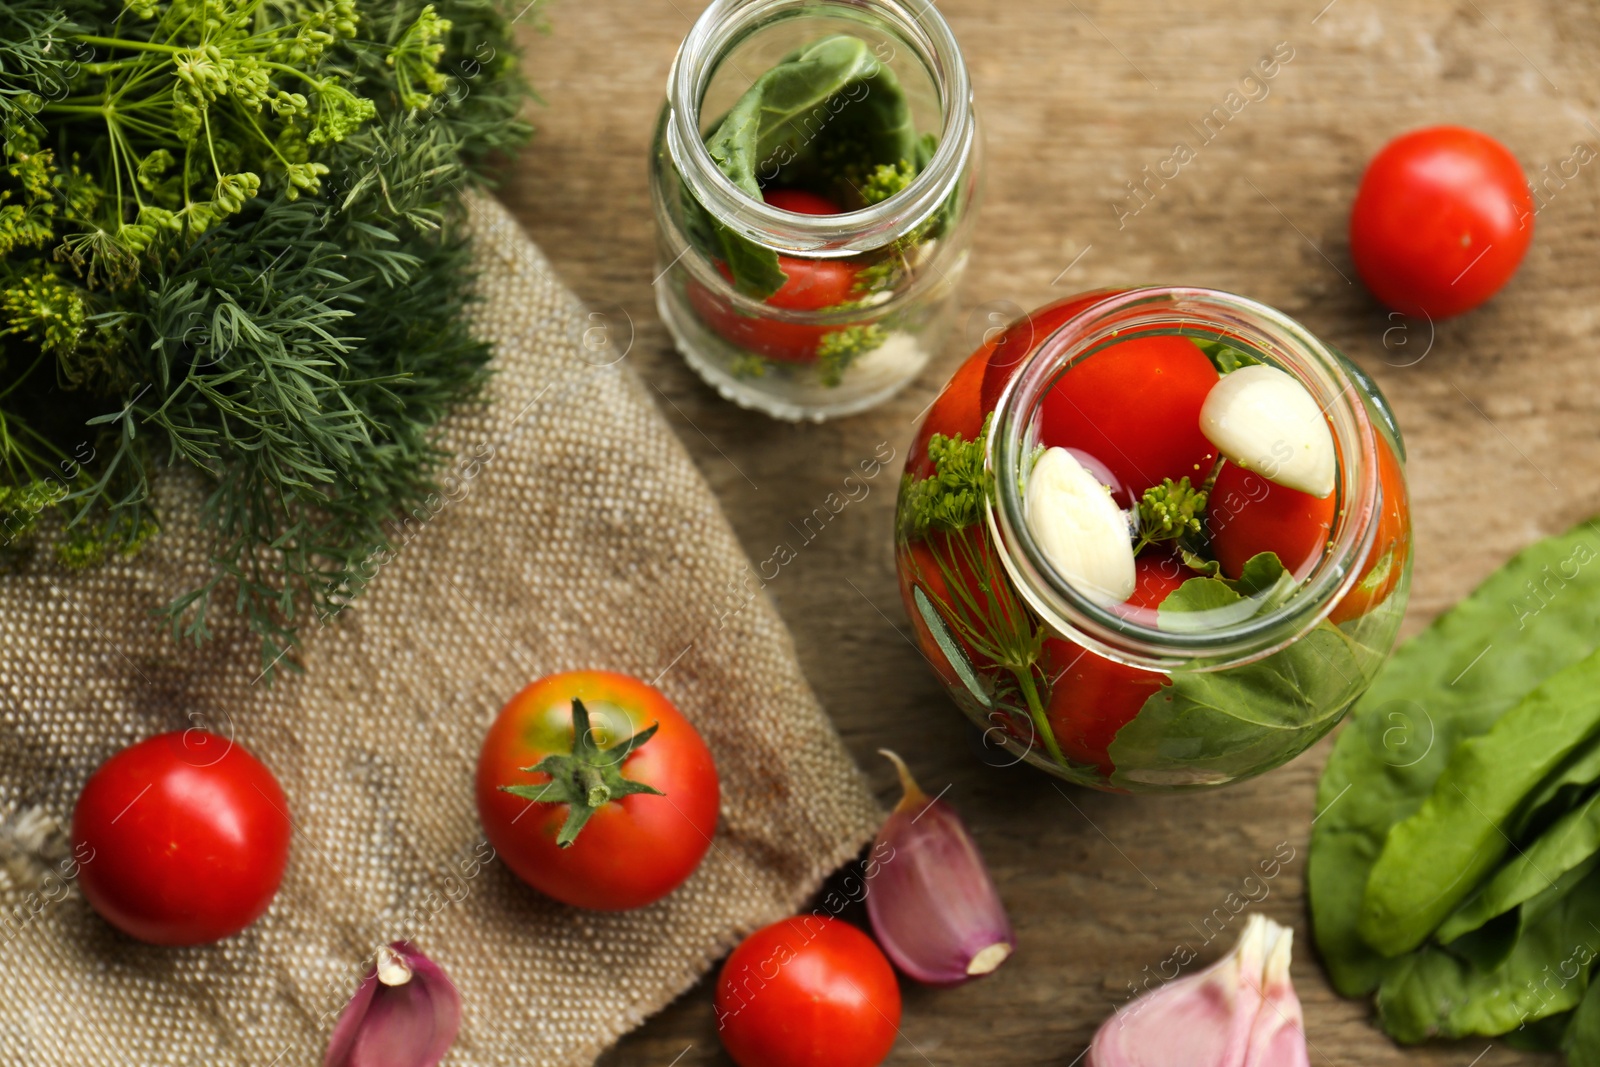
1133 507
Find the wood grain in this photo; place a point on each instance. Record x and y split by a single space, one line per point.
1499 410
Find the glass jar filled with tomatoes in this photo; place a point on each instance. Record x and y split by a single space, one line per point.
1155 539
813 180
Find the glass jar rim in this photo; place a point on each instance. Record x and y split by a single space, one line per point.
823 236
1317 366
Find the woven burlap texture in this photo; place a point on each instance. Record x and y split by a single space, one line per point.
575 532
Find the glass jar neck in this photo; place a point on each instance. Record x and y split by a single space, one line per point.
1206 315
726 23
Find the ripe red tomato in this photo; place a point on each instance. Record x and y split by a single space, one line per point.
1135 406
183 838
1007 352
1385 561
1247 514
1441 221
810 991
1091 697
800 202
812 285
636 847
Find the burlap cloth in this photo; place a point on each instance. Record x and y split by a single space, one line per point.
577 534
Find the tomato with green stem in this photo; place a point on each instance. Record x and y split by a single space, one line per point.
597 791
810 991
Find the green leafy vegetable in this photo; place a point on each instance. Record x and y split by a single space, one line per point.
828 114
1581 1041
1564 847
1209 727
1537 615
1432 859
1432 993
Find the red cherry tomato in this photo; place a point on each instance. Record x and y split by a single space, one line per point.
1385 561
1247 515
812 285
1091 697
976 386
1135 406
636 847
800 202
1007 352
1441 221
182 838
807 992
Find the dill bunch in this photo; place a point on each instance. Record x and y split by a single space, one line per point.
230 239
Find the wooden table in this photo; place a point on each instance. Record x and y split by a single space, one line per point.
1499 408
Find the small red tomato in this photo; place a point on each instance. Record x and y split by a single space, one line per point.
1381 570
1247 515
810 991
1007 352
1441 221
1091 697
812 285
1135 406
626 806
182 838
800 202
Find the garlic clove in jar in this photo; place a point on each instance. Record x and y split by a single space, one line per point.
1079 528
1265 421
1241 1011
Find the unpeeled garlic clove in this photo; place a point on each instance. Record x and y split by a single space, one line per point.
1079 528
405 1013
1265 421
1278 1038
932 903
1239 1012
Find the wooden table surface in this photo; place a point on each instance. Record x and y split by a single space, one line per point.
1499 410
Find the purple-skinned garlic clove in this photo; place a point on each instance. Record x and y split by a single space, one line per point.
932 903
405 1013
1239 1012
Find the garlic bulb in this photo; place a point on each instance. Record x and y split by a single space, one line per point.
1240 1012
1079 528
1265 421
932 903
405 1013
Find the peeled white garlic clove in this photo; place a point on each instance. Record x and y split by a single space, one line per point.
1079 528
1265 421
1240 1012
